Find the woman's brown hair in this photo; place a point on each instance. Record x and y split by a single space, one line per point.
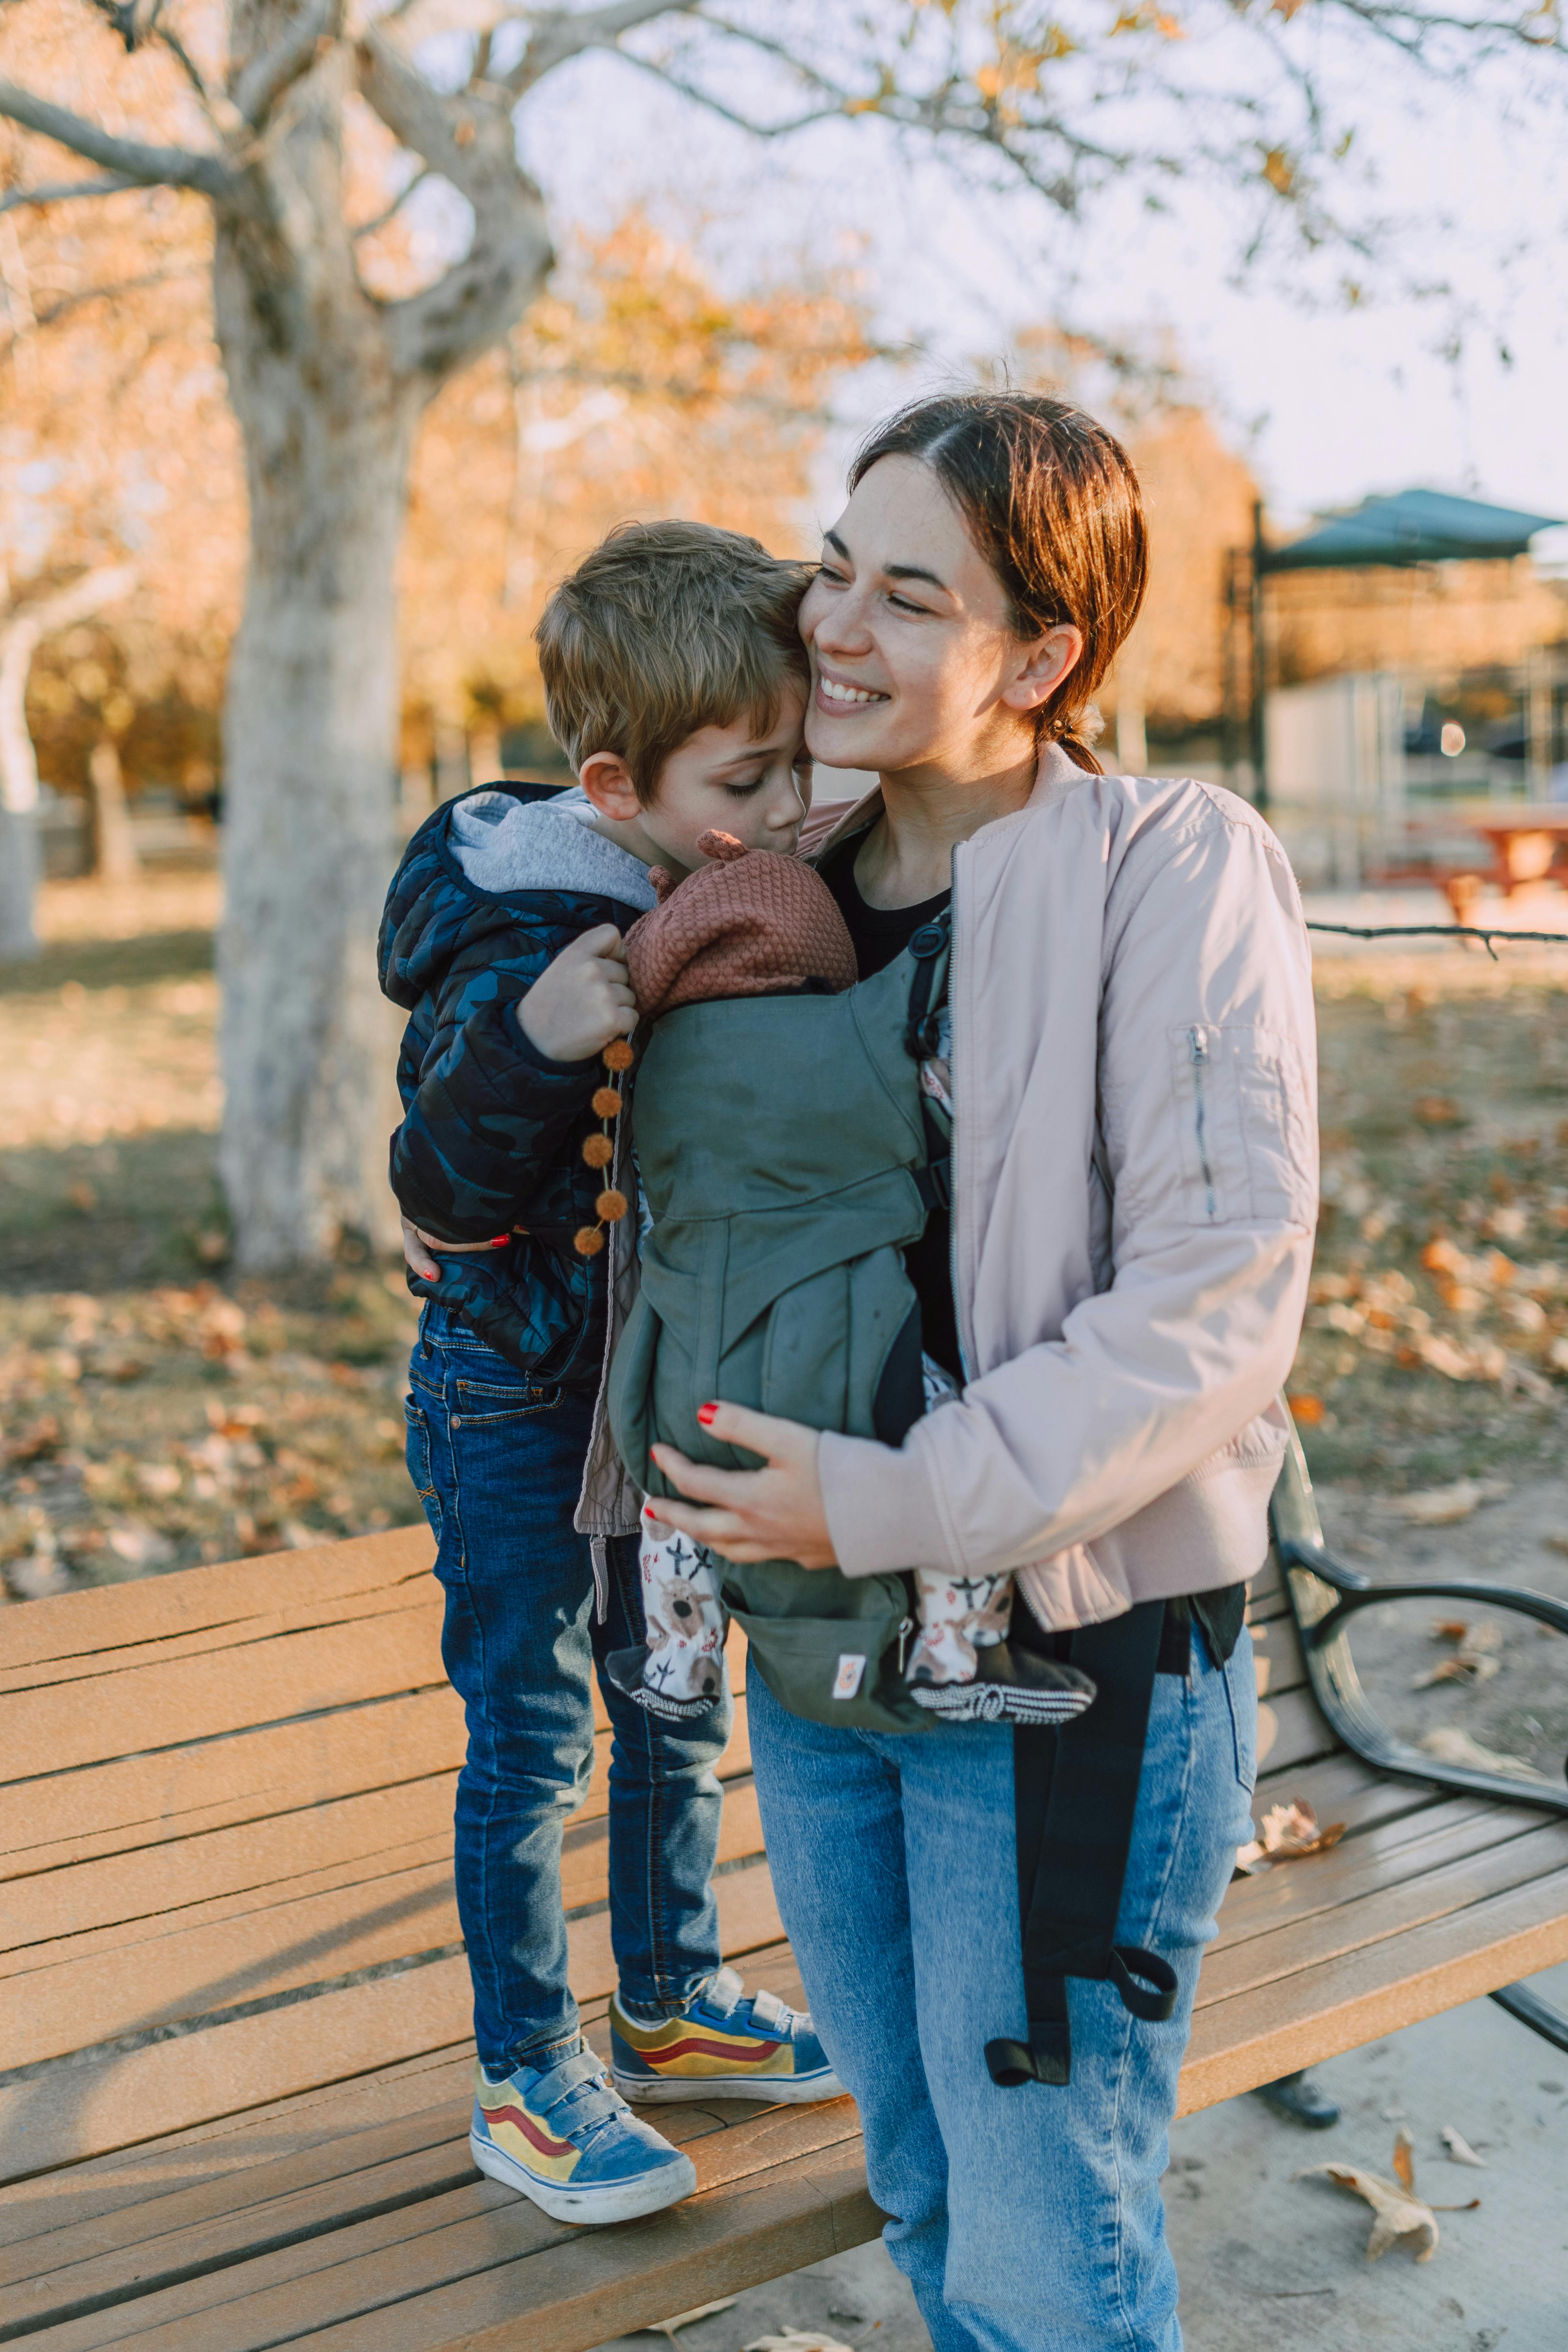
1053 504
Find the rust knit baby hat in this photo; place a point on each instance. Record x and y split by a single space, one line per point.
754 923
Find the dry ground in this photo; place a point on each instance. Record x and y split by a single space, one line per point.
154 1411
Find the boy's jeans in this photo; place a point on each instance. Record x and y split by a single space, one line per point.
497 1463
1026 2220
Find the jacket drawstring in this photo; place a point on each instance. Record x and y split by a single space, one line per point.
599 1553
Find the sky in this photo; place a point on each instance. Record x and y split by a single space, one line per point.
1329 404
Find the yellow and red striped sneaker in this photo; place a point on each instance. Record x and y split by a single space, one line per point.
722 2045
561 2135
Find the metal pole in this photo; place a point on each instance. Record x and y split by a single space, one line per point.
1259 665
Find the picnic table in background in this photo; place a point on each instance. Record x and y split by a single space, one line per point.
1526 843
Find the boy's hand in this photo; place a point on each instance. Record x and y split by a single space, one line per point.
581 1000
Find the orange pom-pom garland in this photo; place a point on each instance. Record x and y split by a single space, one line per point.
599 1151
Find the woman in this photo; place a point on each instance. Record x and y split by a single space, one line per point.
1121 1291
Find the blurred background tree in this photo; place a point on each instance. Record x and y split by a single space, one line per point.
286 136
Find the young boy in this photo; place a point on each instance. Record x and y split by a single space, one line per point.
675 682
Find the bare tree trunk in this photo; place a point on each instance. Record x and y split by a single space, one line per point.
21 864
311 759
20 853
21 858
113 843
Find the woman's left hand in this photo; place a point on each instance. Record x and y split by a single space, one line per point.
775 1513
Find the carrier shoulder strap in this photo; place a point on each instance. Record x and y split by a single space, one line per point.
1075 1795
931 947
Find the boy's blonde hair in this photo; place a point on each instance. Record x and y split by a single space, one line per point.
666 628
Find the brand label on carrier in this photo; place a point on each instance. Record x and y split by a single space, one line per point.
850 1675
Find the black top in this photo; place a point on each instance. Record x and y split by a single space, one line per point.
880 933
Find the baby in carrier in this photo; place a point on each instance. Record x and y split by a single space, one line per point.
752 924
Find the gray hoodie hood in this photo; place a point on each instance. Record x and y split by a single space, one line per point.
505 845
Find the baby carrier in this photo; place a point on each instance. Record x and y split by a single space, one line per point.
775 1277
789 1154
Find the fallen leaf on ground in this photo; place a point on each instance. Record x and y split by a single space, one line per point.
1462 1669
1444 1507
1475 1647
38 1576
36 1444
1452 1746
1286 1833
1404 2159
1460 2150
796 2340
1395 2212
1307 1410
688 2318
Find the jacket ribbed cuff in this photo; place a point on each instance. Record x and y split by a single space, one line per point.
881 1507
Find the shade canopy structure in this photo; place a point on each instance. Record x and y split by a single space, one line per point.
1414 527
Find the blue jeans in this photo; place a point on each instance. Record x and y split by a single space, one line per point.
497 1463
1025 2219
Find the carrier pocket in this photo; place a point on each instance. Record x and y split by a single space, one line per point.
838 1670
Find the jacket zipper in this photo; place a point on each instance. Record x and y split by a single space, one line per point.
1198 1049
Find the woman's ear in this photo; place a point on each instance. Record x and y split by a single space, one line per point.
1041 667
607 780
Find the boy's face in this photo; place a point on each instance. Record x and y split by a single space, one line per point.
756 787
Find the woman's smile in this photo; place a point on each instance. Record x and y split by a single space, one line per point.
839 694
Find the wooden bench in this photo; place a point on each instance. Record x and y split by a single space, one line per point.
234 2054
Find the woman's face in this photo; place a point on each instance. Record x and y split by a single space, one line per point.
913 662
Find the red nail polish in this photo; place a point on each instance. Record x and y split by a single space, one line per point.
707 1415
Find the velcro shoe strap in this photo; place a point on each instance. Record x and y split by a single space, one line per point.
724 1993
768 2011
561 2081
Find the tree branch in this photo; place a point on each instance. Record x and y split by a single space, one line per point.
369 228
129 159
58 191
470 142
563 34
257 88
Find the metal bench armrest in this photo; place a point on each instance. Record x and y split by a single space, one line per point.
1324 1596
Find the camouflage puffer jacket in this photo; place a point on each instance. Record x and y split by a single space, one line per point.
491 888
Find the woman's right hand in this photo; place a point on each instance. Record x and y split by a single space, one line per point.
581 1000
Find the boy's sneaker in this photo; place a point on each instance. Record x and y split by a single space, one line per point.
562 2136
722 2045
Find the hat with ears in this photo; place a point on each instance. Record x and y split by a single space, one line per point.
755 922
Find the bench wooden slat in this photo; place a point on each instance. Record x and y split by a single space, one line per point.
372 2266
120 2198
272 1680
1298 1945
408 2181
1342 2003
121 2098
1291 1732
93 1627
1389 1855
146 1802
1277 1655
799 2214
